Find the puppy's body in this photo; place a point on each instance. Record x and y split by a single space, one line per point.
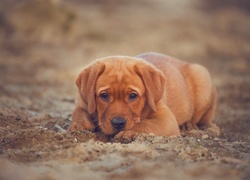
151 93
189 89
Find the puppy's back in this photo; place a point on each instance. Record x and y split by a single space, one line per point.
158 59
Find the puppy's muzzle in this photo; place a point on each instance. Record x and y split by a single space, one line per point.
118 122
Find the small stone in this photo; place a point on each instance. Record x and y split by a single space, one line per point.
216 139
204 136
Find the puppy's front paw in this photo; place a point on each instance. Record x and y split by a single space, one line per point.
78 126
74 127
125 136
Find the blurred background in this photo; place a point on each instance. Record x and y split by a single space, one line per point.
44 44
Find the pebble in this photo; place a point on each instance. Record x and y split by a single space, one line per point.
204 136
216 139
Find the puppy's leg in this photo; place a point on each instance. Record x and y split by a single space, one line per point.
202 92
209 115
161 123
81 120
187 126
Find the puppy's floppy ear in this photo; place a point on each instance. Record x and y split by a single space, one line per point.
86 83
154 82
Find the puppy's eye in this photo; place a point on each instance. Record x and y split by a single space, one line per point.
132 96
104 96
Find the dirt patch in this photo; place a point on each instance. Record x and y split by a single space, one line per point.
44 45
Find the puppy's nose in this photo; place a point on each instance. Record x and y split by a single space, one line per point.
118 122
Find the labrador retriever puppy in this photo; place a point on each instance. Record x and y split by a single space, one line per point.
150 93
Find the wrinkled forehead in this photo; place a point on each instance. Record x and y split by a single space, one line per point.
120 73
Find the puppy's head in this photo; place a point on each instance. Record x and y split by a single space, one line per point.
119 89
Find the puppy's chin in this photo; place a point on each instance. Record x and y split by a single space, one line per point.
107 129
110 130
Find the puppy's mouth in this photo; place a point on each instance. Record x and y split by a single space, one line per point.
117 124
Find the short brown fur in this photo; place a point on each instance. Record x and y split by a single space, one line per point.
169 93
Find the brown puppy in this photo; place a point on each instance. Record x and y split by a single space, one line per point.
150 93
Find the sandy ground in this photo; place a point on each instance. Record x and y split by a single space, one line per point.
45 44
